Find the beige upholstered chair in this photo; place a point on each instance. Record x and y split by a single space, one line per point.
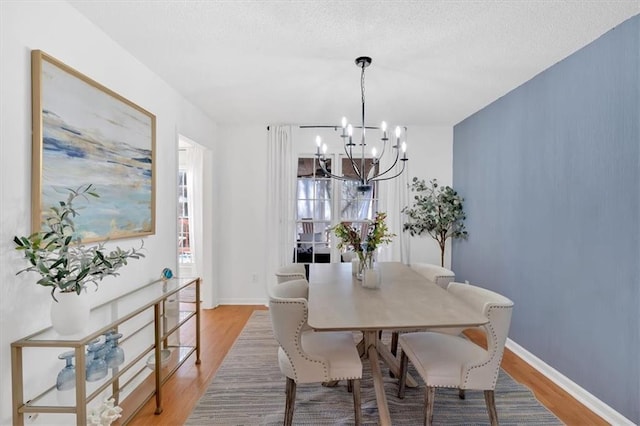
443 360
295 271
437 275
434 273
306 356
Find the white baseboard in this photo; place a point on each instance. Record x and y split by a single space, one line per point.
587 399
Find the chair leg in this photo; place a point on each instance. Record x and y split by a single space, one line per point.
356 401
429 396
491 407
349 385
404 363
290 401
461 394
394 342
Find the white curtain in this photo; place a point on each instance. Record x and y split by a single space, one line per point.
394 196
195 166
281 181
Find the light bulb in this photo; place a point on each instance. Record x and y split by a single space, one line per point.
383 126
398 131
350 130
324 148
344 122
318 140
404 147
374 152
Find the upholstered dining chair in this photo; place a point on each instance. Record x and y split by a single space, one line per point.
307 356
444 360
437 275
295 271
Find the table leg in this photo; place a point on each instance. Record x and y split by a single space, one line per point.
378 384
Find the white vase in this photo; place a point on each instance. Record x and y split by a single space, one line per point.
70 314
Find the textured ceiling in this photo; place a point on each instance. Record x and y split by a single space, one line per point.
434 62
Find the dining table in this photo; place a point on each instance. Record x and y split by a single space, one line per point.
404 301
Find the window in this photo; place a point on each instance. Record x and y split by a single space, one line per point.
322 201
314 212
184 246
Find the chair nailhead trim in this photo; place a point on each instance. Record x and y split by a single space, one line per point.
493 350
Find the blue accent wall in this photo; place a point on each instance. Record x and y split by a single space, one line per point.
551 177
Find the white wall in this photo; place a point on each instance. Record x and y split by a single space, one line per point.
241 214
431 156
59 30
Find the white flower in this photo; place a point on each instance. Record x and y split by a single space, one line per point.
105 414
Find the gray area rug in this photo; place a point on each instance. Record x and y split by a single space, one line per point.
248 389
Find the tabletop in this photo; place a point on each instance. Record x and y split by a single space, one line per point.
405 300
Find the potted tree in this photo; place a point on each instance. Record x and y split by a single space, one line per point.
66 265
436 210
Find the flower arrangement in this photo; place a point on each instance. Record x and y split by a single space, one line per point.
56 253
436 210
105 414
377 235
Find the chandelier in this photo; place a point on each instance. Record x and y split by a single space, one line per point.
363 175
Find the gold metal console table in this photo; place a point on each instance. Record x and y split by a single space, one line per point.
150 319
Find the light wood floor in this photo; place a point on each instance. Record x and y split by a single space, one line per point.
221 327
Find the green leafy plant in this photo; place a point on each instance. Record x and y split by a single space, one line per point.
436 210
377 234
56 253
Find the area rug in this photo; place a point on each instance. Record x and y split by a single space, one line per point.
248 389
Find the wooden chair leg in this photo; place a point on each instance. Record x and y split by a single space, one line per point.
491 407
394 342
404 364
429 396
349 385
356 401
290 401
461 394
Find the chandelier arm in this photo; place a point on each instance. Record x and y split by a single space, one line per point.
391 167
324 169
350 157
378 178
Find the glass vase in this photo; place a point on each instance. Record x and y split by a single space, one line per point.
369 273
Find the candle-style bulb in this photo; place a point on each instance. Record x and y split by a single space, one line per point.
404 147
344 122
383 126
398 131
324 148
318 141
350 130
374 152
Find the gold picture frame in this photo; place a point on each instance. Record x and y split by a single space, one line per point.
85 133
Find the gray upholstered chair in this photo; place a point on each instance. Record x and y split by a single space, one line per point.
295 271
437 275
306 356
444 360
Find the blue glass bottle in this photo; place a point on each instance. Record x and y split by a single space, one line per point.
67 376
96 365
115 354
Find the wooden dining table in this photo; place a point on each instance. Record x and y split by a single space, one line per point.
404 301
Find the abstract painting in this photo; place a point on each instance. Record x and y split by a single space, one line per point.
84 133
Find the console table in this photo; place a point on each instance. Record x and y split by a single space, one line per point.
149 318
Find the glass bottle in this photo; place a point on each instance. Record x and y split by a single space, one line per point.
96 365
67 376
115 354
